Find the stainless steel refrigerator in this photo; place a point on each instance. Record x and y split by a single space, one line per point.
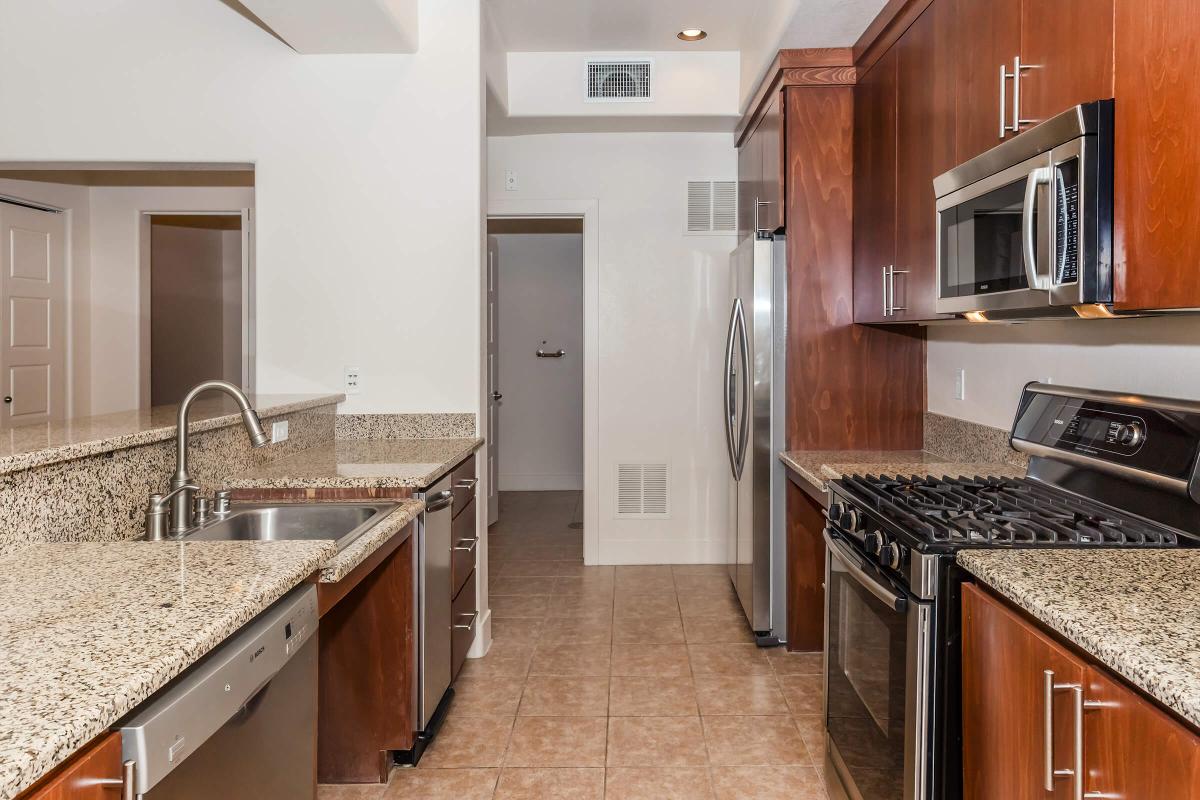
755 380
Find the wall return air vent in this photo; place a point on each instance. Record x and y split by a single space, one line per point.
642 491
711 206
612 81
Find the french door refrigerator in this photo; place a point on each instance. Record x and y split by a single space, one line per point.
755 379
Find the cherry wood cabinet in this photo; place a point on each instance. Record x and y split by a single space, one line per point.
1156 183
94 773
1067 46
987 37
874 187
1130 748
925 107
761 199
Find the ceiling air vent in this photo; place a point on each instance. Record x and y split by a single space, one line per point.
642 491
619 81
711 206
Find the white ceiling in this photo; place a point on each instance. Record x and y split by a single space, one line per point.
616 25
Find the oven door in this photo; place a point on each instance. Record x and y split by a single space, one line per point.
878 658
994 242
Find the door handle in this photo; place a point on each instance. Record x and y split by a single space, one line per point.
497 396
127 783
439 501
892 273
1038 176
729 400
747 402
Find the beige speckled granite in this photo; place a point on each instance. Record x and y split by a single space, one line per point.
820 466
1137 611
960 440
90 630
405 426
361 548
38 445
358 464
103 495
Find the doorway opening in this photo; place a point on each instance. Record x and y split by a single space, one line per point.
536 376
196 315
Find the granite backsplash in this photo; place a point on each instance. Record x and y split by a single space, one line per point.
405 426
963 441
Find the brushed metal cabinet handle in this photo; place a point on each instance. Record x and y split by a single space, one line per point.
126 782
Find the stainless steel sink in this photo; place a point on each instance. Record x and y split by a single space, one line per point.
341 522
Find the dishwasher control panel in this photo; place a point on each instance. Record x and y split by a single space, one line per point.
174 723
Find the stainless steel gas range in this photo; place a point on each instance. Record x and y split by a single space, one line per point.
1107 470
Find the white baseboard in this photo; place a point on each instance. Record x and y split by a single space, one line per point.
662 551
533 482
483 637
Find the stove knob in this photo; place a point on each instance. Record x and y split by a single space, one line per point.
1131 434
890 556
873 542
850 520
836 510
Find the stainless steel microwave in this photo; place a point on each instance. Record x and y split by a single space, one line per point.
1025 229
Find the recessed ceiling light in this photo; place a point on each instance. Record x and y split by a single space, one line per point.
692 34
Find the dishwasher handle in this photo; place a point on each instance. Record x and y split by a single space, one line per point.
439 501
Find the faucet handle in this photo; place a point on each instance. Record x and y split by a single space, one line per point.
202 509
157 510
221 501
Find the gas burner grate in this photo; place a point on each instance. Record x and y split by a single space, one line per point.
1013 512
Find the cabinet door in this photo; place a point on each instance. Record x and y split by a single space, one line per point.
924 150
988 34
80 778
1156 184
771 211
749 182
1134 749
1068 47
874 186
1003 686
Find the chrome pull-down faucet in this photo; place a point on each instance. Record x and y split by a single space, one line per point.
182 490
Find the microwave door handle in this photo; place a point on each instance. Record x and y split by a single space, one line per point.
1037 177
897 602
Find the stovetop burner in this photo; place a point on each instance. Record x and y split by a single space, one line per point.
1015 512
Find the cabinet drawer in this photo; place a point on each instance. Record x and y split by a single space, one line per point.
464 543
80 777
462 483
464 619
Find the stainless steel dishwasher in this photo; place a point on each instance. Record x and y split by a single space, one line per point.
242 723
433 603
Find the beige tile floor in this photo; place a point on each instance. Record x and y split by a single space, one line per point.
627 683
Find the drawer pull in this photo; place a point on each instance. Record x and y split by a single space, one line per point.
466 483
469 625
469 547
125 783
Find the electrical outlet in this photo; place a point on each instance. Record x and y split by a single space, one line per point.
960 384
510 180
279 431
353 380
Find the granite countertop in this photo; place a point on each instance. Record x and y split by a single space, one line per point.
820 466
358 551
1136 611
30 446
90 630
361 464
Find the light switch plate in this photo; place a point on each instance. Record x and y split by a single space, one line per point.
353 380
279 431
960 384
510 180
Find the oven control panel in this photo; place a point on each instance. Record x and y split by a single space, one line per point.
1149 435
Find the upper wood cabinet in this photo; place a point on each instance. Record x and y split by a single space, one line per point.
874 188
1130 747
760 173
1023 61
925 61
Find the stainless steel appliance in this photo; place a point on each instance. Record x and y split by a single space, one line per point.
1025 229
1107 470
242 723
433 596
755 378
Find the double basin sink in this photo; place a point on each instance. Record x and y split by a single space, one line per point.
342 522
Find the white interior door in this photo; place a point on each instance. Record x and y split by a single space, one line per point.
33 353
493 382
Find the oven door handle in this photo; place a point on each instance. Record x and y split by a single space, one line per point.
850 561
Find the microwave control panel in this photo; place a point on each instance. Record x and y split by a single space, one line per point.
1066 222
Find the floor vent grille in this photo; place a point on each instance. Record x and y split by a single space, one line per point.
642 491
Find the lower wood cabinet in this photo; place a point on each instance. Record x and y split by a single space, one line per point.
367 668
94 773
464 617
1016 744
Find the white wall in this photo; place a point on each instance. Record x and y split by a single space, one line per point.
540 296
1148 356
662 311
368 172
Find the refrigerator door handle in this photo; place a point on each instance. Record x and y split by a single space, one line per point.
744 423
729 392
